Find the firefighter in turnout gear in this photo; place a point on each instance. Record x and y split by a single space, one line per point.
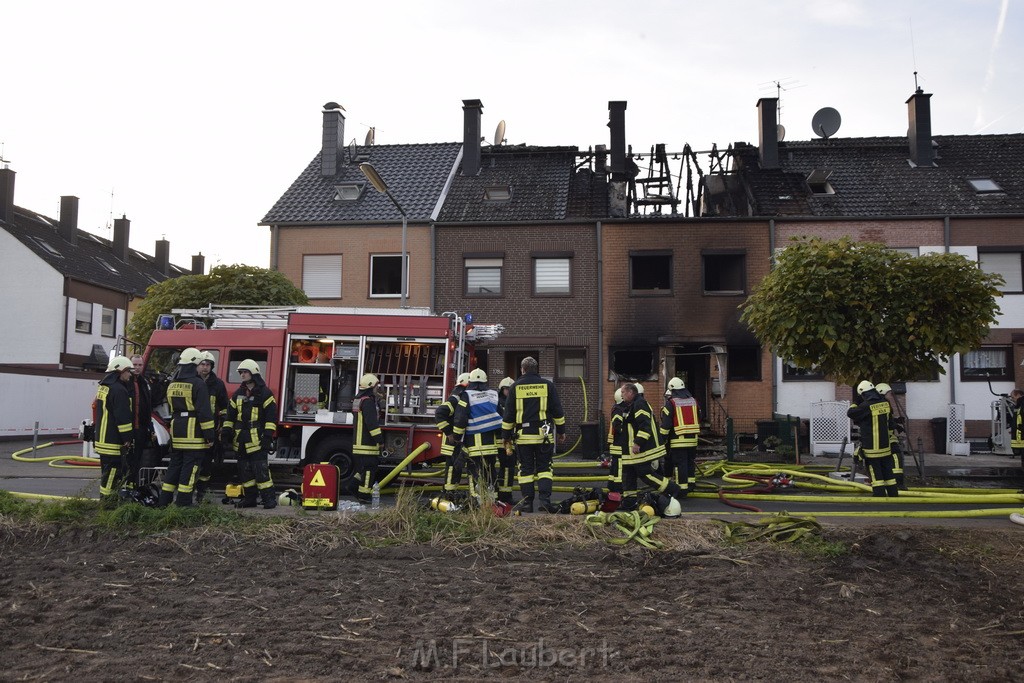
871 413
113 432
639 462
475 427
219 405
454 458
618 444
533 415
191 430
506 475
250 428
896 428
1017 438
367 437
680 427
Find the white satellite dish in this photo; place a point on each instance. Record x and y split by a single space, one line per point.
352 150
781 131
826 122
499 133
370 136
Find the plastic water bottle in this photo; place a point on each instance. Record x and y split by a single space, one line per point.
375 504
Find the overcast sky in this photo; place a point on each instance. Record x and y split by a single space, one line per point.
192 118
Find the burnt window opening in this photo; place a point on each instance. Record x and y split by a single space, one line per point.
744 364
650 273
725 273
636 364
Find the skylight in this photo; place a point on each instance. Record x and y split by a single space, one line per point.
348 192
818 181
106 265
47 248
984 185
498 193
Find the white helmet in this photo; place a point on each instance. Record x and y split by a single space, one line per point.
207 357
639 388
673 509
676 383
883 388
618 395
864 387
463 379
507 382
478 375
368 380
190 356
119 364
250 365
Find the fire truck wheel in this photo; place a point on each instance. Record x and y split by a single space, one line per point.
336 450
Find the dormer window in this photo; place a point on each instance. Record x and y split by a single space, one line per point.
984 185
349 192
497 193
818 182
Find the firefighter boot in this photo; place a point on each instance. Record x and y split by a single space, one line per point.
165 499
248 497
269 498
200 492
184 500
544 486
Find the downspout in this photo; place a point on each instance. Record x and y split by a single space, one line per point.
775 363
953 370
433 264
599 395
67 312
273 247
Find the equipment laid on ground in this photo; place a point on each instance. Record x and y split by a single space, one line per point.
320 487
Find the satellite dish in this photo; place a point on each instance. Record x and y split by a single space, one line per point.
370 135
352 150
499 133
826 122
781 131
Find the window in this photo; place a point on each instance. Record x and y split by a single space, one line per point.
572 363
909 251
45 246
650 272
348 192
514 361
236 356
791 373
108 321
984 185
636 364
818 182
1007 264
744 364
321 276
988 363
386 275
498 193
109 268
483 276
551 276
725 273
83 317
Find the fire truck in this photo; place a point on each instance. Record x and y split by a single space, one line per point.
312 359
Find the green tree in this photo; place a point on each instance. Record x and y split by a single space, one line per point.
236 285
858 310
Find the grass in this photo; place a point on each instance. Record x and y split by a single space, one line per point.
817 547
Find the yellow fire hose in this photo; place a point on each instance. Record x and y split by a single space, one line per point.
633 525
72 461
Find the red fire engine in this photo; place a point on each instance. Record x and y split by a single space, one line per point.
312 359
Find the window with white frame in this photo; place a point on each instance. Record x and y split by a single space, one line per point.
551 276
1005 263
386 276
572 363
483 276
108 322
321 276
987 363
83 317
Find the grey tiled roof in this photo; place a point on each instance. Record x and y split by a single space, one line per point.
873 177
84 261
416 175
539 178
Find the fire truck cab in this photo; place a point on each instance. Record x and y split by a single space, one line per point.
312 359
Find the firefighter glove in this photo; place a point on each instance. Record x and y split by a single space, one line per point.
268 444
226 437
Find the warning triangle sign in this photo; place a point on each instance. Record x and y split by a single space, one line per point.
318 479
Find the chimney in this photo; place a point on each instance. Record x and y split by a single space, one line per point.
7 194
600 161
919 109
122 227
198 264
68 225
768 132
617 122
473 110
332 155
163 257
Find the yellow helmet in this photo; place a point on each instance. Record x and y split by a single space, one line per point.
639 388
676 383
478 375
190 356
463 379
368 380
883 388
119 364
507 382
618 395
250 365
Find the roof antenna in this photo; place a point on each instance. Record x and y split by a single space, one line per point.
913 55
110 218
5 162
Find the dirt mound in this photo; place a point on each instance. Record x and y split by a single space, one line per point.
313 604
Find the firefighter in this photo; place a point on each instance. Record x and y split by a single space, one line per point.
506 461
113 432
142 418
367 437
639 461
896 429
680 427
453 458
219 406
250 429
618 443
191 430
475 427
533 416
871 414
1017 439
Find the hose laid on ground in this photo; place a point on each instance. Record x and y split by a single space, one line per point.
781 528
916 514
72 461
634 526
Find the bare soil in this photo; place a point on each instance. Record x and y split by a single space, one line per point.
313 604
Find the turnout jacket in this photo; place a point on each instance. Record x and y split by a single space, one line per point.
872 417
477 421
618 435
680 420
643 431
191 417
1017 440
218 398
532 402
142 404
112 416
367 437
252 413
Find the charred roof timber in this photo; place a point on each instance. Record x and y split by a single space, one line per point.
473 110
332 154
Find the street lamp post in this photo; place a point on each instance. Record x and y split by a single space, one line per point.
378 183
